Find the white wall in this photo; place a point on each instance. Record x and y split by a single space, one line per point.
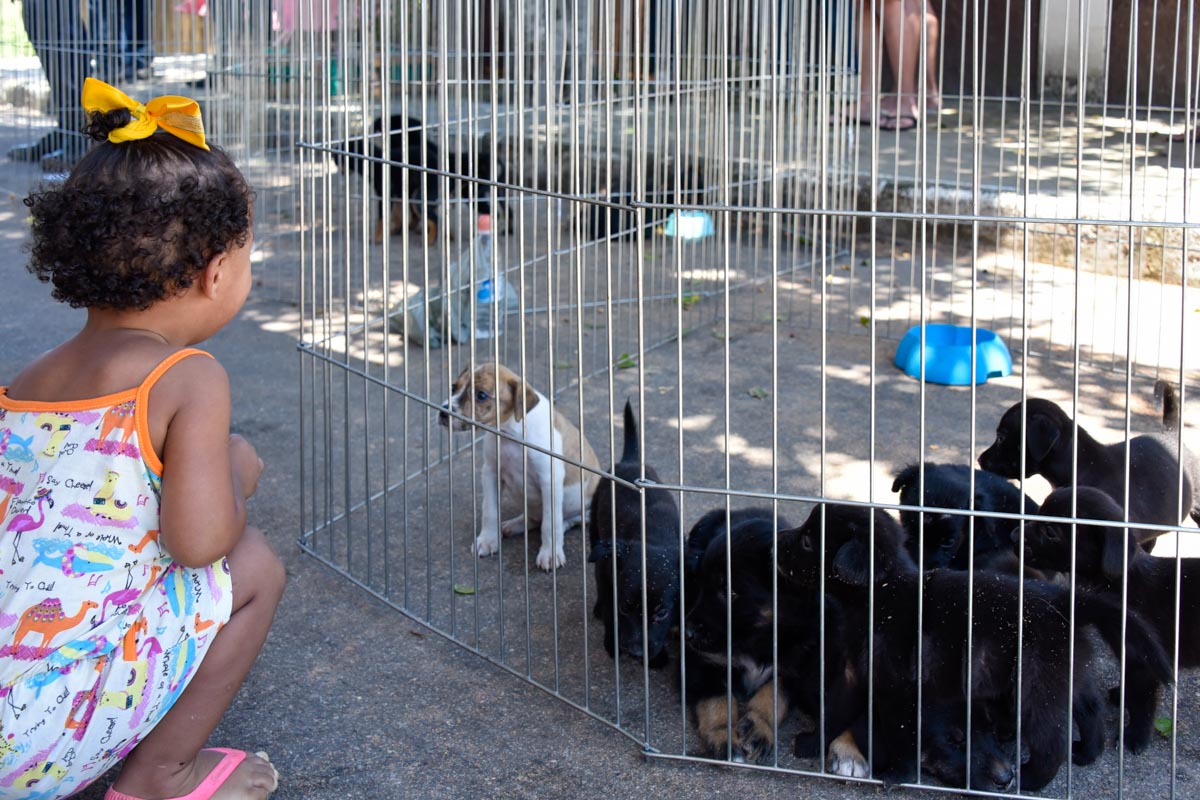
1060 40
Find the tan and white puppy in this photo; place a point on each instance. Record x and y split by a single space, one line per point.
558 491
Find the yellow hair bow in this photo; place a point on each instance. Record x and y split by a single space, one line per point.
178 116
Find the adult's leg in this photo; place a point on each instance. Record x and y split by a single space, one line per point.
866 29
168 762
902 52
933 92
903 23
56 32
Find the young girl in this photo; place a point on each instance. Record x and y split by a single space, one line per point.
135 598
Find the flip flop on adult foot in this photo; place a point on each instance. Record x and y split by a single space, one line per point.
903 122
235 776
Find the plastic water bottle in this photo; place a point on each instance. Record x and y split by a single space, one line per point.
490 294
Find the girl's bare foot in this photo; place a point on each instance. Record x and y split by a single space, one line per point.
217 773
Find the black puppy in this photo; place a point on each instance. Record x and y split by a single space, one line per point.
1100 556
1153 463
947 486
746 596
477 164
615 540
894 748
424 194
996 606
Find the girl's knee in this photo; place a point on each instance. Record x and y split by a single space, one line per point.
255 569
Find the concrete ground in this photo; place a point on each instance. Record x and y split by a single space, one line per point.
354 700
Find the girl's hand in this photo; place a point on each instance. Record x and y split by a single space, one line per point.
247 466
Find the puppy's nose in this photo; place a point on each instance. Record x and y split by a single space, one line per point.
1003 776
443 417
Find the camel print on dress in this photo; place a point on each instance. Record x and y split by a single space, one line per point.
100 630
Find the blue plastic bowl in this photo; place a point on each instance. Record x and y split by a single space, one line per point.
948 355
689 225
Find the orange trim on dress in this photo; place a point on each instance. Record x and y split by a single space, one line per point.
142 405
140 394
87 404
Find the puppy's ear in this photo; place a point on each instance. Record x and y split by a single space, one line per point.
852 563
1040 439
1111 559
517 386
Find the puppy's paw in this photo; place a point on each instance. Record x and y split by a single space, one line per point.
1137 738
485 544
755 738
547 558
845 759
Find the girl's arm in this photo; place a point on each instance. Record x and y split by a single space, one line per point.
204 492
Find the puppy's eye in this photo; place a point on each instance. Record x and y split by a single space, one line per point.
806 544
481 396
662 613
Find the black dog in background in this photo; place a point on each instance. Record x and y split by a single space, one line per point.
615 542
1153 462
424 188
424 193
946 534
996 604
1100 558
477 164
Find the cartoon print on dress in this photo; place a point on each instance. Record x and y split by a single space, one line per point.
121 597
59 425
107 506
47 619
76 559
10 487
175 586
179 668
25 522
122 419
15 448
151 536
106 509
9 748
143 669
19 774
139 669
77 649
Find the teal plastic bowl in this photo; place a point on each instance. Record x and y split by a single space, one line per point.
689 225
948 355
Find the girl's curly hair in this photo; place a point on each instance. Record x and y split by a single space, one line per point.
136 221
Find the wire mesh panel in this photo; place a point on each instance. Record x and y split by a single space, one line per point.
232 57
723 214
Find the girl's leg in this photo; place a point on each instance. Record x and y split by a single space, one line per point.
168 762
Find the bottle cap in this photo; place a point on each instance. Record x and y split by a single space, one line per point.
485 223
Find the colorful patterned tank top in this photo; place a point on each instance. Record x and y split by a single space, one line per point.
100 631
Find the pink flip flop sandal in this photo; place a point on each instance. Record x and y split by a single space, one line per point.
230 760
